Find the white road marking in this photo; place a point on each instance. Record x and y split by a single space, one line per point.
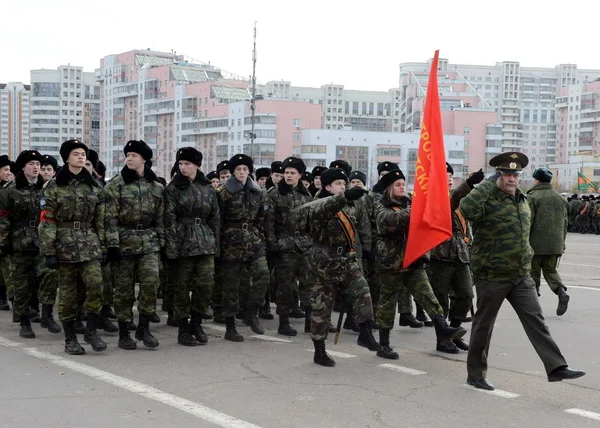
270 338
584 288
198 410
335 354
496 392
215 327
578 264
584 413
406 370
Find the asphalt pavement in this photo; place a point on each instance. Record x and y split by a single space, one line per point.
271 380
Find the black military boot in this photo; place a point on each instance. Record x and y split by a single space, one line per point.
26 332
91 333
143 333
231 333
444 332
104 323
459 343
48 320
125 340
197 330
446 346
321 356
72 346
408 320
171 321
386 350
251 319
131 326
78 326
366 338
307 318
110 314
265 310
422 316
349 323
563 302
297 311
82 316
285 328
34 315
154 318
4 306
184 336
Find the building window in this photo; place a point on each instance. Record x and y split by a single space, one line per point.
467 130
296 122
296 136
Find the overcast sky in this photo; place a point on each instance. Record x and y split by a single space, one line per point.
308 42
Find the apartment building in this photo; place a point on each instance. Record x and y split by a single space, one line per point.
14 118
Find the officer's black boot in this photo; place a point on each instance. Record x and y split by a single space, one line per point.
104 323
459 343
563 302
444 332
251 319
321 356
78 326
285 328
4 306
307 318
184 336
26 332
125 340
231 333
197 330
72 346
366 338
422 316
171 321
349 323
386 350
48 320
143 333
408 320
91 333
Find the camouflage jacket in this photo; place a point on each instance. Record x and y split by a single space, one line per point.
392 218
72 218
501 224
242 209
20 214
456 249
192 219
134 213
548 219
283 234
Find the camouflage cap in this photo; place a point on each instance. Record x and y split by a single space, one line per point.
509 162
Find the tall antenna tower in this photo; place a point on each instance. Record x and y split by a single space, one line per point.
253 100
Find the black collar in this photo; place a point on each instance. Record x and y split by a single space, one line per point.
64 176
285 188
129 175
180 181
234 186
21 181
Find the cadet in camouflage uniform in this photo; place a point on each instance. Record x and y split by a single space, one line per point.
262 174
548 233
19 217
449 269
213 177
289 243
49 167
392 216
71 231
192 225
242 207
5 289
134 228
501 262
217 294
333 262
315 185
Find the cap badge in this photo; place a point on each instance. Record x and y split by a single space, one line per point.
512 165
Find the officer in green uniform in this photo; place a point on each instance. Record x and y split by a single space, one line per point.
501 262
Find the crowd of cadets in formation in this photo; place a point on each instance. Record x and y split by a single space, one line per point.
234 240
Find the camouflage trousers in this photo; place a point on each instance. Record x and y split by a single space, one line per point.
405 301
452 280
417 284
290 275
351 283
5 275
28 270
90 275
107 289
144 269
231 276
217 291
373 280
547 265
194 275
167 283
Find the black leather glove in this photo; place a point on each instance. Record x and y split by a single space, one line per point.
51 262
494 177
475 178
355 193
114 254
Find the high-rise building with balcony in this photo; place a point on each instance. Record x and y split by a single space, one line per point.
14 118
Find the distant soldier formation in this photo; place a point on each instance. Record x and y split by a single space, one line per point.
238 240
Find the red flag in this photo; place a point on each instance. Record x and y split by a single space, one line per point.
430 217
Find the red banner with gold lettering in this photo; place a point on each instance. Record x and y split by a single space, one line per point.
430 216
